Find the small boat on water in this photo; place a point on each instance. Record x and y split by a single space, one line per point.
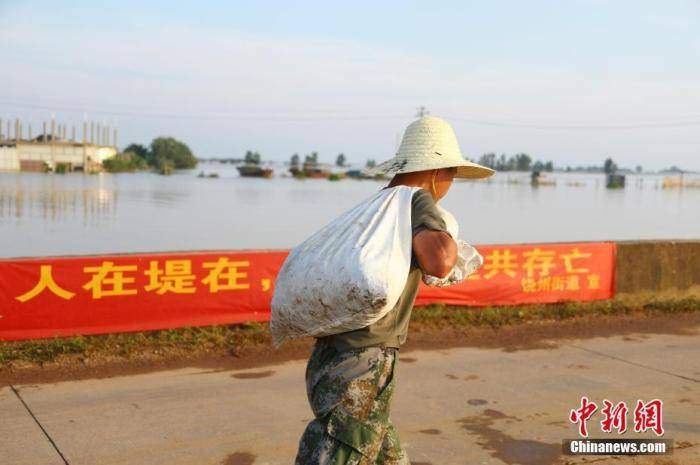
311 170
365 174
254 171
539 179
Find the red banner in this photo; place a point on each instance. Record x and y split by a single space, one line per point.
47 297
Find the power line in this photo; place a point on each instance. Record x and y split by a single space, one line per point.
337 117
207 116
651 125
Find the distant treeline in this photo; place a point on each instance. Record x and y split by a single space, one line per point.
254 158
503 162
222 160
517 162
164 155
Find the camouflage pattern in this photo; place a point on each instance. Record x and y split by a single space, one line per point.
350 393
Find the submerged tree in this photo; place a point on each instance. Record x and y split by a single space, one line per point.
169 152
609 166
312 158
252 158
140 151
522 162
125 162
488 160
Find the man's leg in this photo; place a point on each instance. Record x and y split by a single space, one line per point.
350 394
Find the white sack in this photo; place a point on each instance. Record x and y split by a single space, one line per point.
468 261
350 273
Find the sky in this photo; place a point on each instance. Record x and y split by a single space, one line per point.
573 82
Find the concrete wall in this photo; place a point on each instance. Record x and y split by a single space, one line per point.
658 268
9 159
72 153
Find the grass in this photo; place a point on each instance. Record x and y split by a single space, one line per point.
187 342
438 315
184 341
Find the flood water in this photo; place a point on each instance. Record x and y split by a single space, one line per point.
49 214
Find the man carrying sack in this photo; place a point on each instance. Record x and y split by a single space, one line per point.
350 376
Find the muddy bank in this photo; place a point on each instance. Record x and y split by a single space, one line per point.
427 332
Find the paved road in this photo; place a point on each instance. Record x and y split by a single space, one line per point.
458 406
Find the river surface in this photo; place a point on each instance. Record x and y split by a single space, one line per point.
50 214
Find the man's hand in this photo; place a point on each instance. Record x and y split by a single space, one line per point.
436 252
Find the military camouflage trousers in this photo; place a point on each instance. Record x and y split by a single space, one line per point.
350 393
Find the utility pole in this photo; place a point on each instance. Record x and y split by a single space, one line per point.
85 139
53 140
422 111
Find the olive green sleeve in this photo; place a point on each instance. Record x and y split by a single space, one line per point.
424 213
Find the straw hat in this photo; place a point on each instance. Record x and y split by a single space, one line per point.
430 143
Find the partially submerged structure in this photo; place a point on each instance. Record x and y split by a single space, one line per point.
53 150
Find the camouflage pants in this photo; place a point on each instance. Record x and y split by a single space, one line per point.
350 393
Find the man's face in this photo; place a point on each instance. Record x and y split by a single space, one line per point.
443 181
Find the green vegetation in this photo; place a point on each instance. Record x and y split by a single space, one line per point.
138 150
125 162
126 345
312 158
231 338
615 181
61 168
340 160
165 167
252 158
448 316
334 177
164 155
519 162
210 175
609 166
170 151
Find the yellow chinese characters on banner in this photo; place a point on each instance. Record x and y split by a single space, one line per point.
541 269
176 276
537 273
64 296
45 283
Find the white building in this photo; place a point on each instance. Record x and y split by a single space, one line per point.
47 152
42 156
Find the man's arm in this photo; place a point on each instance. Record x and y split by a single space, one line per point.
435 251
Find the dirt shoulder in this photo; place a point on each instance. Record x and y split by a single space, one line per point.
230 347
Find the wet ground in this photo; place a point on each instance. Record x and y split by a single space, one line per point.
460 405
